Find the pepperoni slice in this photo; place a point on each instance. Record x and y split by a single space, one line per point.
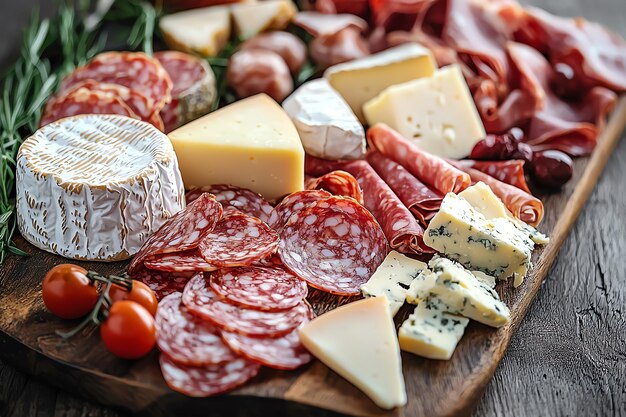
186 261
238 240
286 352
338 183
183 231
292 203
242 199
202 301
187 339
208 380
163 283
261 288
335 245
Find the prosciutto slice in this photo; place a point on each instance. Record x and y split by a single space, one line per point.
510 172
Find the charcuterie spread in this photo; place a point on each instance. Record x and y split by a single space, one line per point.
386 152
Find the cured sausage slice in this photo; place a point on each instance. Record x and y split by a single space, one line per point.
337 183
189 260
261 288
335 245
202 301
183 231
207 380
85 101
163 283
238 240
187 339
292 203
242 199
430 169
286 352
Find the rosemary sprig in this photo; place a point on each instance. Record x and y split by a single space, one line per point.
144 17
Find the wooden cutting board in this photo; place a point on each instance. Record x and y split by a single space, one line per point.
435 388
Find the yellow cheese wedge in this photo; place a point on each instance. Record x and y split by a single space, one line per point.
202 31
251 143
358 341
253 18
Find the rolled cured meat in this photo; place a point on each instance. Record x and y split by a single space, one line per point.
338 183
511 172
432 170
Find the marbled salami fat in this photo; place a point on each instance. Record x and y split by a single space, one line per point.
163 283
293 203
337 183
186 261
242 199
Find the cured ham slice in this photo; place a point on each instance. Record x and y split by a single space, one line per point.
510 172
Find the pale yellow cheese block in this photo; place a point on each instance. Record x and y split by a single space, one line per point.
252 18
251 143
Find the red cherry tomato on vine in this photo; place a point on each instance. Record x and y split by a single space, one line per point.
140 293
67 292
129 331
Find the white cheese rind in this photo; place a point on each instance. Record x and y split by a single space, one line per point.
431 332
359 342
392 279
94 187
327 126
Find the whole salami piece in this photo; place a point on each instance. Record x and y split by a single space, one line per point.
203 381
134 70
242 199
337 183
186 261
238 240
293 203
335 245
261 288
163 283
430 169
202 301
183 231
187 339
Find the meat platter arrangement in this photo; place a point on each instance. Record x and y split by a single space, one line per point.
343 185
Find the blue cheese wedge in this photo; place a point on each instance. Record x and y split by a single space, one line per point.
458 291
392 279
493 246
430 331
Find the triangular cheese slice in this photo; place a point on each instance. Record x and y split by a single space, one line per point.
253 18
359 342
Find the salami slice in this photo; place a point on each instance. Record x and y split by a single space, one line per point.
316 167
414 194
242 199
335 245
285 352
183 231
84 101
293 203
238 240
202 301
207 380
430 169
187 339
187 261
134 70
163 283
261 288
510 172
337 183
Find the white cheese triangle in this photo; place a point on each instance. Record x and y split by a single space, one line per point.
358 341
253 18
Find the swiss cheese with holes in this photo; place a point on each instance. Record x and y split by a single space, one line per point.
94 187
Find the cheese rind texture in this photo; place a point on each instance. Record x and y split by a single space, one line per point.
251 143
94 187
436 113
363 79
327 126
359 342
392 279
253 18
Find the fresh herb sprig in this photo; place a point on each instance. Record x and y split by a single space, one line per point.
144 17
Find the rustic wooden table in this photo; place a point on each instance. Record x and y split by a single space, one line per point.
568 358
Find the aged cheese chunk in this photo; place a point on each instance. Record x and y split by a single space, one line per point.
251 143
459 292
392 279
363 79
358 341
430 331
203 31
94 187
253 18
495 247
327 126
437 113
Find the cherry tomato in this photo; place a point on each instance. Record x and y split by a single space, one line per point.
140 293
67 292
128 331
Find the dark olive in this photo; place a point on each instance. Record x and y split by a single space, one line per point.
551 168
502 147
